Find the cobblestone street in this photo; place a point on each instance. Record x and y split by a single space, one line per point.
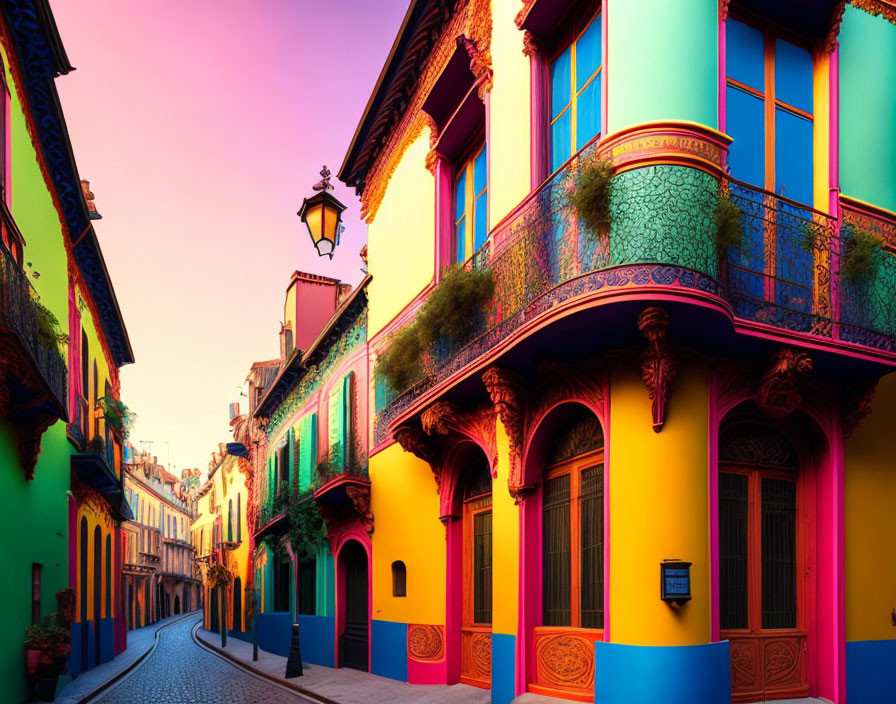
178 671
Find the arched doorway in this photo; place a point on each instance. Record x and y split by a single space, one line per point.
176 604
765 523
212 601
82 588
476 610
564 522
237 624
354 639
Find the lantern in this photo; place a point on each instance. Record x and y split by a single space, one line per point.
322 215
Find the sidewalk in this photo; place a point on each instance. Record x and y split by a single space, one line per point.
140 641
348 686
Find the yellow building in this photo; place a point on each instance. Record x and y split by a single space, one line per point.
220 535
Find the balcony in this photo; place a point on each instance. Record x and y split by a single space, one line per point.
781 284
92 468
34 373
144 564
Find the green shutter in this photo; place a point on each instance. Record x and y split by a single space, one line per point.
348 416
289 470
305 457
336 427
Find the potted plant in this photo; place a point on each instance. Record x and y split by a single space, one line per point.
51 640
590 194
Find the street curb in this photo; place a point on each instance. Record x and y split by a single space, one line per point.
259 673
126 671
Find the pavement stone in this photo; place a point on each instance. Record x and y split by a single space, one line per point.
178 671
140 640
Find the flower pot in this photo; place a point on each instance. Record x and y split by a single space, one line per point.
32 657
47 688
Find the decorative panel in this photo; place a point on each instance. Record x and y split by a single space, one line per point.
564 660
768 665
426 643
476 656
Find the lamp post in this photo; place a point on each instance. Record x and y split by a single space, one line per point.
322 215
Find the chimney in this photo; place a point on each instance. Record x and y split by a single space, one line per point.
311 302
285 343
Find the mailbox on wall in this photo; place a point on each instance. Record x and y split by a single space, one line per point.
675 581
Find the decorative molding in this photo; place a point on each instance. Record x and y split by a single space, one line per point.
532 46
360 496
779 392
426 643
856 401
878 8
830 41
476 655
523 13
564 660
658 365
723 10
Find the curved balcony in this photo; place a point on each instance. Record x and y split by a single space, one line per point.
781 284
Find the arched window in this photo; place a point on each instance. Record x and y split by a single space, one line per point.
399 579
573 526
108 576
84 579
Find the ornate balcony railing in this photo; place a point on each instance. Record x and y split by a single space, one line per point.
783 275
17 316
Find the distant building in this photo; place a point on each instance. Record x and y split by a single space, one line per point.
159 575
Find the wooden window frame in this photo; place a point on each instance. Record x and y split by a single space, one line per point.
770 32
465 165
566 37
574 467
474 506
755 475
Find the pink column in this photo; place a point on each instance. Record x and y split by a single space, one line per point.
453 597
538 73
443 215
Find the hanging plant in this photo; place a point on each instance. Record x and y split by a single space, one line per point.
47 325
861 254
305 527
812 237
728 219
590 195
117 415
218 576
451 312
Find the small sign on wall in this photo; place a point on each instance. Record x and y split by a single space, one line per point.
675 581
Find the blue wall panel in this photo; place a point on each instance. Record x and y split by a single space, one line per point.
503 670
275 632
641 674
317 639
74 659
869 672
107 639
389 649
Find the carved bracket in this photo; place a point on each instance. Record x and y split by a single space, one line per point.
412 439
445 419
856 405
360 496
779 392
658 365
507 393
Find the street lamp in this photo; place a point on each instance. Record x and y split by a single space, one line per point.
322 215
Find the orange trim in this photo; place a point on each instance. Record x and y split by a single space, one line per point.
769 55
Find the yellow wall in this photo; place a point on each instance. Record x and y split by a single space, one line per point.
505 546
94 518
402 238
406 508
658 508
509 115
870 518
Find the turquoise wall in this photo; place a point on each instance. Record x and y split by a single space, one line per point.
663 61
868 108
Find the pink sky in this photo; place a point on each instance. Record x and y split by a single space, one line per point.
201 124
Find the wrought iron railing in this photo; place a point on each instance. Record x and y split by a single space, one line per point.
663 234
17 315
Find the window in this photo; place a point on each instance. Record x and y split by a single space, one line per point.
307 578
769 111
471 203
340 422
383 393
35 592
282 570
575 86
572 532
307 449
399 579
85 365
478 538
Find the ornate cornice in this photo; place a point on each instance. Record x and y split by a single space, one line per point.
658 365
878 8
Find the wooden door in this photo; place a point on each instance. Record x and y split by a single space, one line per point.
354 649
763 580
476 624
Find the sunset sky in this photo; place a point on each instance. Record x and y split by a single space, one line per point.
201 124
